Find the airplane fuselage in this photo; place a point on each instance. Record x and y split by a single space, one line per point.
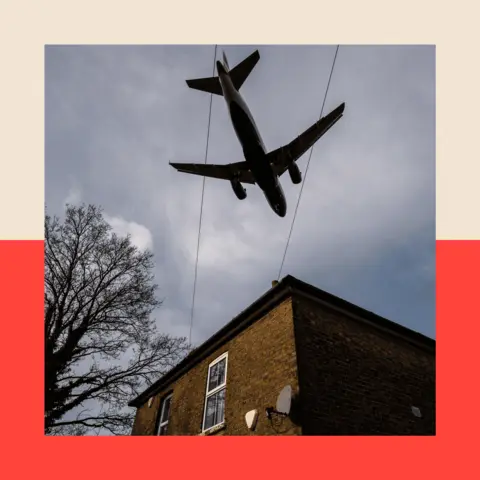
252 144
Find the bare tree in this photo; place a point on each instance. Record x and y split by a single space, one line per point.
101 343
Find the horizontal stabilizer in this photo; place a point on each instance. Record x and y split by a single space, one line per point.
240 73
210 85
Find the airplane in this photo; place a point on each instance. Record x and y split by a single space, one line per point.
259 167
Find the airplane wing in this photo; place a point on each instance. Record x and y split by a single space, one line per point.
223 172
283 156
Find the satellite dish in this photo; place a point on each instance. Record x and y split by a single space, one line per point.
284 401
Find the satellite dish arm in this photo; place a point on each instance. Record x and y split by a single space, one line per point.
271 410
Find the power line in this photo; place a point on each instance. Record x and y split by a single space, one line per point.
201 204
306 170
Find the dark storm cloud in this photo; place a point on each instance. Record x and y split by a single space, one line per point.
365 230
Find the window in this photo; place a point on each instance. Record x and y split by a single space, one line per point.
215 396
164 414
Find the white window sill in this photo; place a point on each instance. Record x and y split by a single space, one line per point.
213 430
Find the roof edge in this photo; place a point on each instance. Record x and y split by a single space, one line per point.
266 302
287 287
361 314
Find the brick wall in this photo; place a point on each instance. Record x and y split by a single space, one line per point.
146 417
356 380
261 361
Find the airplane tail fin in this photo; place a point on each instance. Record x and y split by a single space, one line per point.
225 61
238 76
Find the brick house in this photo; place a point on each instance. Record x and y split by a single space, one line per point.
350 371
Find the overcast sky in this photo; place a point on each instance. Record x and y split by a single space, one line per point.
365 229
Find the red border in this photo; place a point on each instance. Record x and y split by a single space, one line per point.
27 453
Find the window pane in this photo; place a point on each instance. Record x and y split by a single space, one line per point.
220 407
213 382
221 371
217 375
215 411
210 412
166 409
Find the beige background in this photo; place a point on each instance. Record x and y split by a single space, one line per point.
26 26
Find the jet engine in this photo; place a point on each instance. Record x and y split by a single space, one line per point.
240 192
295 173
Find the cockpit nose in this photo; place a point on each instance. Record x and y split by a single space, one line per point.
280 209
281 204
220 67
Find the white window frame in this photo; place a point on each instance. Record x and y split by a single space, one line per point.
162 409
215 390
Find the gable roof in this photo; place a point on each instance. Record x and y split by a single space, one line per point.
287 287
